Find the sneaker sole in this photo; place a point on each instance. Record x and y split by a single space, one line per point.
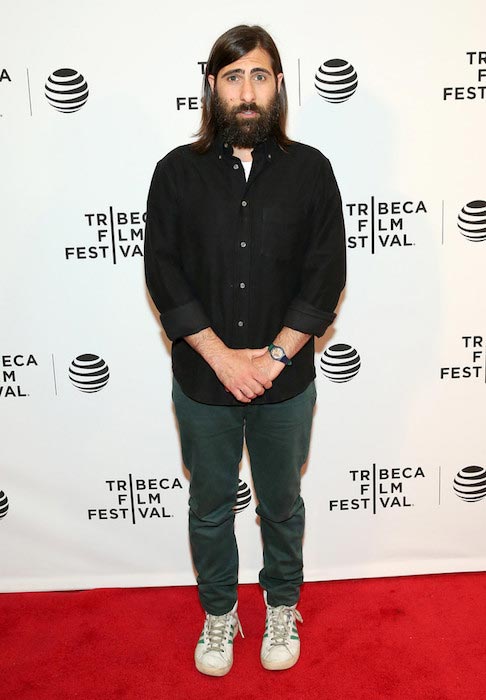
280 665
211 671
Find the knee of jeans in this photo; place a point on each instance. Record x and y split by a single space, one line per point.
212 510
280 510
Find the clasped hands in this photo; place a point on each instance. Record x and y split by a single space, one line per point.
247 373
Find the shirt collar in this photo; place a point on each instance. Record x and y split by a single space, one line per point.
267 148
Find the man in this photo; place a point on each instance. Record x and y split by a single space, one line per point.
245 261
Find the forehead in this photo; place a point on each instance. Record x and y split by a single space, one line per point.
257 58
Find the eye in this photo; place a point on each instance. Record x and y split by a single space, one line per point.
260 77
233 78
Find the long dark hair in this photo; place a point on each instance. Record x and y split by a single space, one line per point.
231 46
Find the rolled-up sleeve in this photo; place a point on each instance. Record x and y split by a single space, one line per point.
181 313
324 270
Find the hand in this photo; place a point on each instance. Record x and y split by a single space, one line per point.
267 365
237 371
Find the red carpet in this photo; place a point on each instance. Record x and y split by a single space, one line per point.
415 637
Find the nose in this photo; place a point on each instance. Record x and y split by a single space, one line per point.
247 90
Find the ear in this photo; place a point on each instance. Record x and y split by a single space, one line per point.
211 81
279 81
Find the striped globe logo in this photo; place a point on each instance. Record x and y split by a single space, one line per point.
470 483
3 504
340 363
89 373
336 80
243 497
66 90
472 221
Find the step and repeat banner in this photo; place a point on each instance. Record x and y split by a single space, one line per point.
93 491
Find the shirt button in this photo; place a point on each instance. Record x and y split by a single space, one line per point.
235 166
242 285
240 323
269 157
244 204
243 244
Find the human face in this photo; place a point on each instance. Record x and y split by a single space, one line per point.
245 93
249 79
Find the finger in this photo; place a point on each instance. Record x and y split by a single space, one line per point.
239 396
248 390
256 386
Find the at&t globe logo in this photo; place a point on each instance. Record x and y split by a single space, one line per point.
470 483
89 373
336 80
3 504
340 363
472 221
243 497
66 90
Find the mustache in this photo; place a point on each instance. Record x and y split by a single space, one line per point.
246 107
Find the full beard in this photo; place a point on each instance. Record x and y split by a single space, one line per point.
247 132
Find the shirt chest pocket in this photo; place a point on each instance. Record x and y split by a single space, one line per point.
282 232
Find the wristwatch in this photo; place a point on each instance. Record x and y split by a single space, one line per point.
278 353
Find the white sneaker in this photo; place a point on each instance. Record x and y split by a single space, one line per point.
281 643
214 650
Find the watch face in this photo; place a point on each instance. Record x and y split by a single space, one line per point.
277 353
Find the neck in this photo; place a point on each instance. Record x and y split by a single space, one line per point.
244 154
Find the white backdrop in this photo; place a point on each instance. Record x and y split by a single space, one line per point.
92 488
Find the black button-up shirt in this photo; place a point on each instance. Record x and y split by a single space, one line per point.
244 257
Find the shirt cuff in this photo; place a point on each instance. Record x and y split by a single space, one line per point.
184 320
305 318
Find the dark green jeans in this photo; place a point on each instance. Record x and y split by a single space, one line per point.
277 437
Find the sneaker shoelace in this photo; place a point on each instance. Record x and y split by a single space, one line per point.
217 626
280 620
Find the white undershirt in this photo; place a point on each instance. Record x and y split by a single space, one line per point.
247 167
